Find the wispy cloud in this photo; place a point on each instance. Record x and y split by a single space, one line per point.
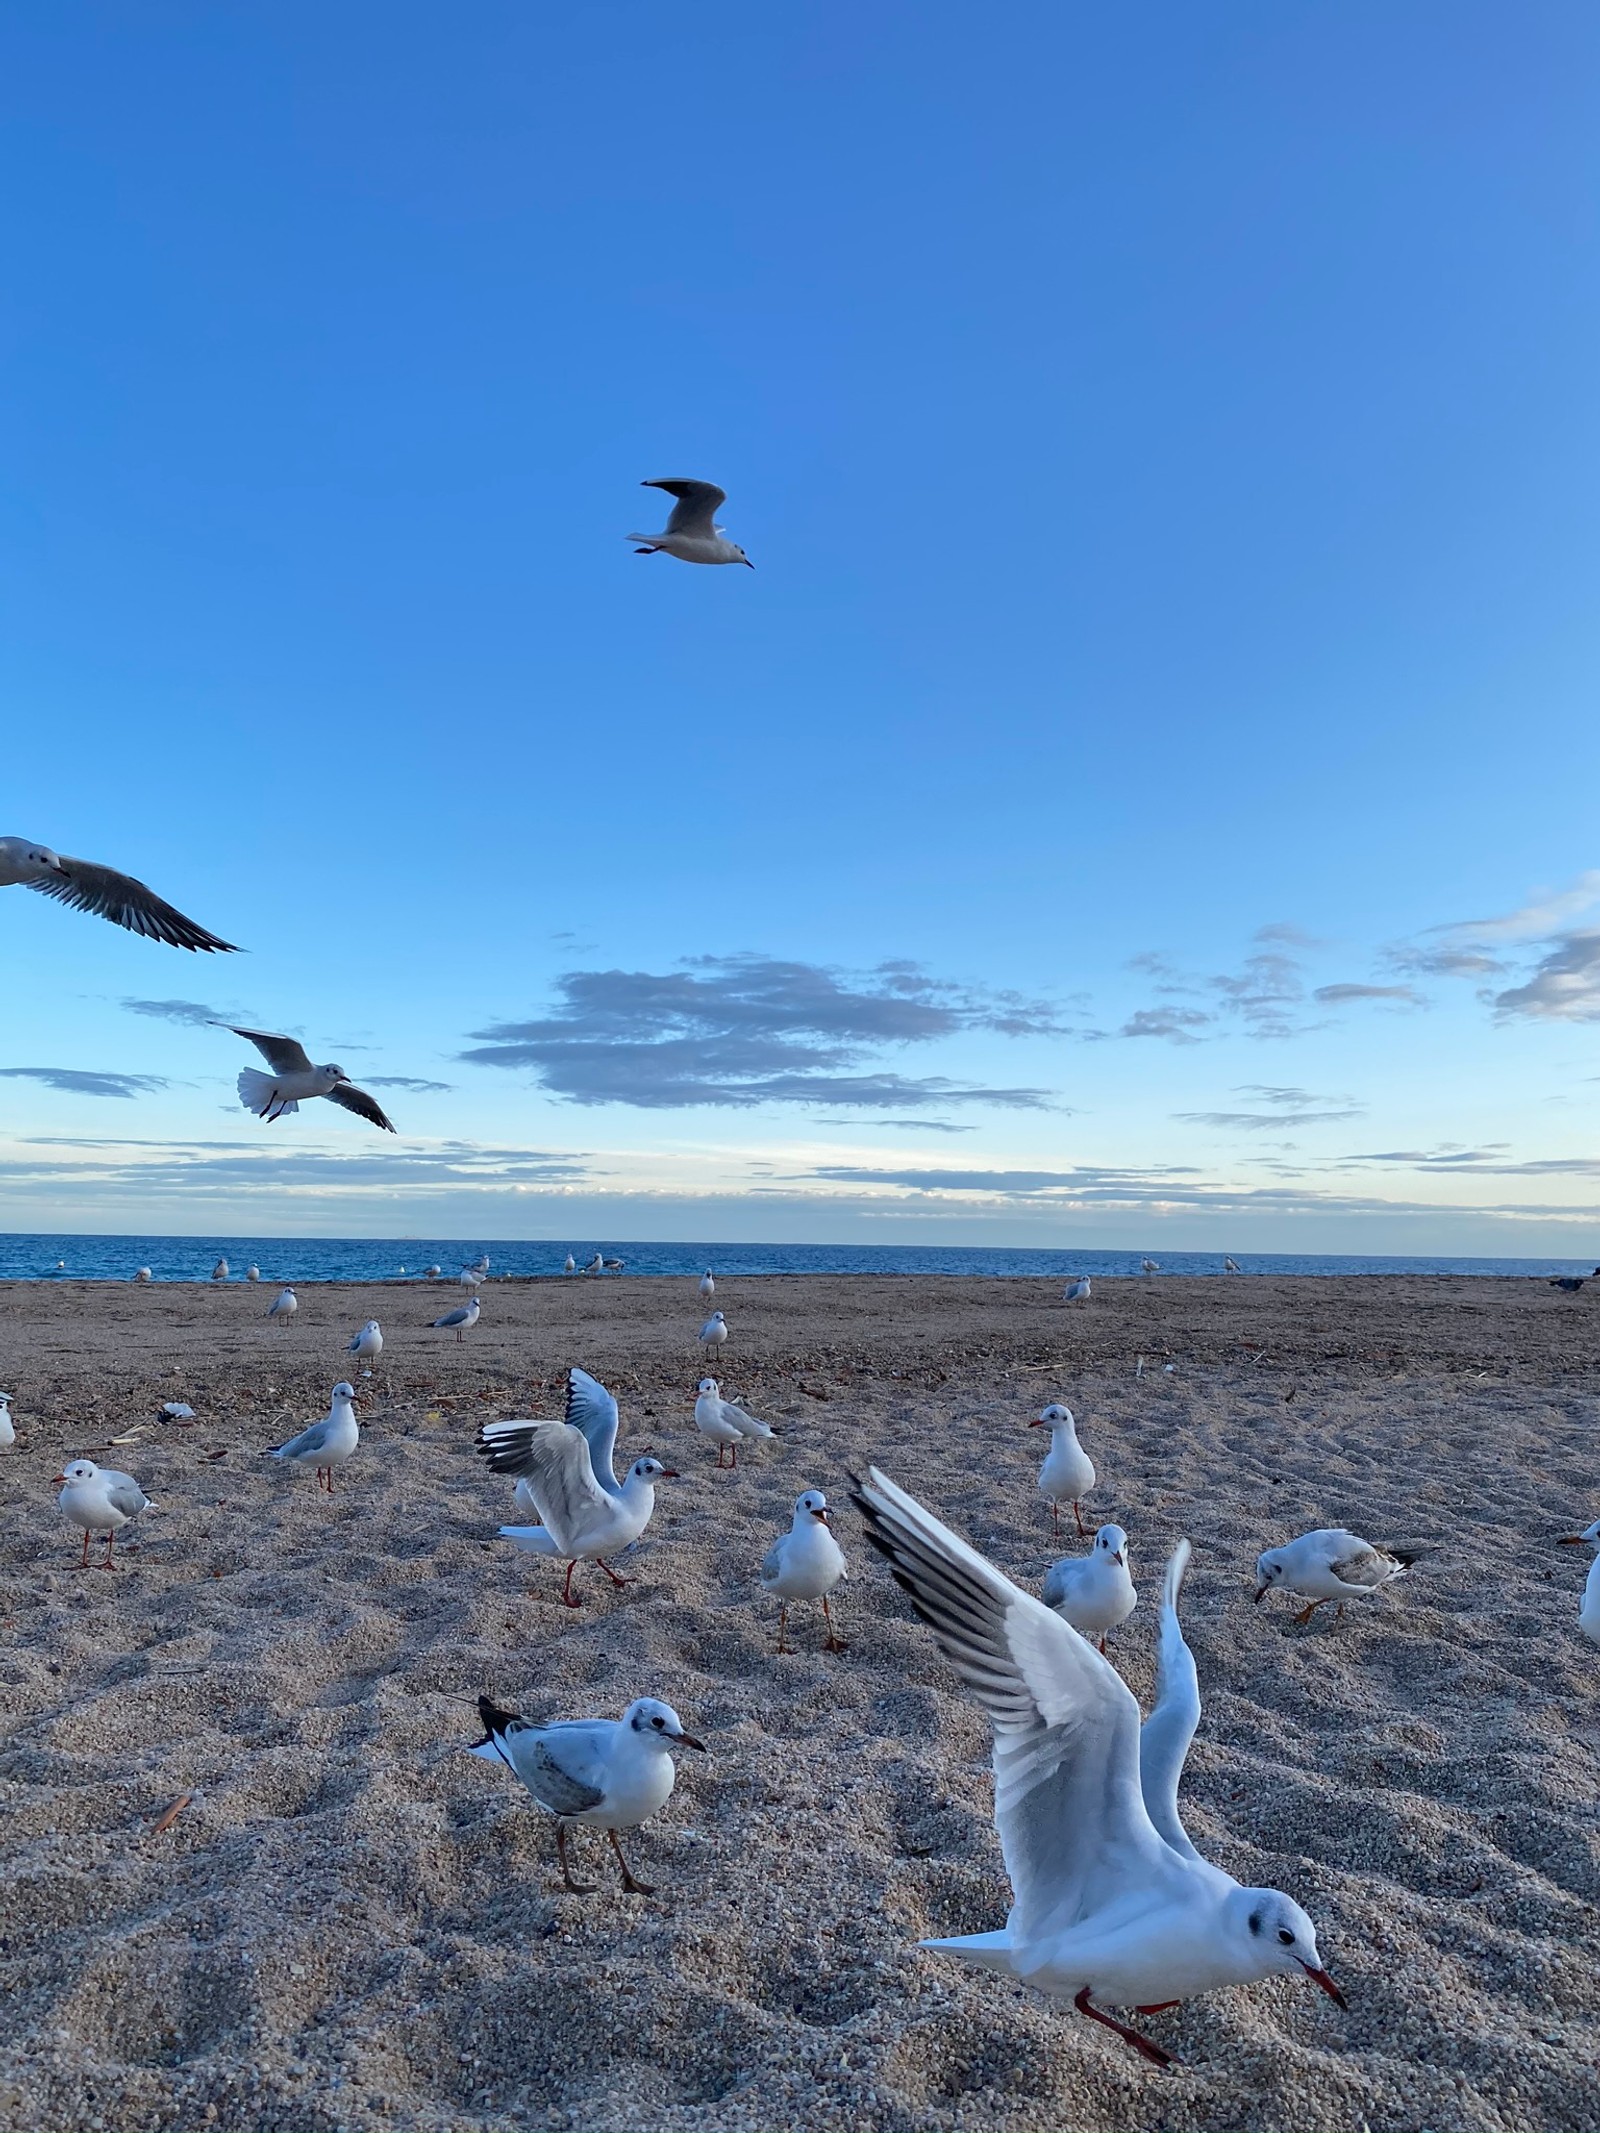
1546 911
737 1031
1176 1024
407 1081
209 1168
1564 987
193 1014
1339 995
80 1081
1262 1121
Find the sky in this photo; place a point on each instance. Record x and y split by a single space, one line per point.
1144 793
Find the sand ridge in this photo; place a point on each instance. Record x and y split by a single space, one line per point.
354 1924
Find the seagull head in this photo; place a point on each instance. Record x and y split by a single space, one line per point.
79 1470
651 1470
1281 1940
1590 1534
344 1390
1113 1542
659 1722
1055 1416
708 1385
815 1505
1269 1570
39 855
335 1073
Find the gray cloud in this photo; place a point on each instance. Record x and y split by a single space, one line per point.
1420 962
192 1013
199 1168
1543 913
1337 995
1263 994
899 1125
79 1081
1564 987
1261 1121
1288 936
737 1031
1176 1024
406 1081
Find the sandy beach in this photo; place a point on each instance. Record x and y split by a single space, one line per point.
354 1924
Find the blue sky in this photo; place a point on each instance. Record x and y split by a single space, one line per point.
1167 440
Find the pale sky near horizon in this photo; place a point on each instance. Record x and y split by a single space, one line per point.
1143 795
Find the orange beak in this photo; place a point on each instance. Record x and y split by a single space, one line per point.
1321 1977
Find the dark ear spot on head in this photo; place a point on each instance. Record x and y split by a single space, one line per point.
1255 1921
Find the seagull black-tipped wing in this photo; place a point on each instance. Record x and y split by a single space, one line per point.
126 902
282 1054
697 506
593 1410
349 1098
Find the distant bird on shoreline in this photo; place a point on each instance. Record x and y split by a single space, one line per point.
294 1081
220 1271
8 1428
692 533
1571 1283
117 897
1230 1266
143 1273
283 1306
462 1320
1077 1291
708 1287
1150 1266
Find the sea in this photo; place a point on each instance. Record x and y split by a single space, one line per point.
46 1257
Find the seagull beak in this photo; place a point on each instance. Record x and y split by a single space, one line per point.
1038 1422
1262 1592
747 563
54 1478
822 1518
1116 1556
1571 1540
668 1473
1321 1977
687 1740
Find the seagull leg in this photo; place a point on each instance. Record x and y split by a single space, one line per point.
111 1542
566 1591
1305 1614
733 1455
630 1885
1102 1647
1083 1530
783 1611
835 1642
83 1563
1160 2007
1055 1515
578 1888
1152 2052
610 1573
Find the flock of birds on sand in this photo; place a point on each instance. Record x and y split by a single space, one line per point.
1111 1902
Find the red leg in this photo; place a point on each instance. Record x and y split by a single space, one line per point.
610 1573
1083 1530
566 1591
835 1642
1306 1613
631 1885
1102 1647
1160 2007
111 1544
83 1561
1152 2052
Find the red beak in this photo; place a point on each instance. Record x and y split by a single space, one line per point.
1262 1593
1321 1977
58 1477
1038 1422
823 1517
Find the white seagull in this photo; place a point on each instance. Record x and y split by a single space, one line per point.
220 1271
1076 1291
692 533
1068 1471
252 1273
432 1273
1110 1900
612 1773
708 1287
1230 1266
806 1563
283 1306
328 1443
463 1318
101 1500
1589 1609
571 1266
1150 1266
596 1265
118 897
175 1411
714 1332
1093 1592
1331 1564
143 1273
726 1424
8 1428
580 1521
294 1081
368 1343
592 1411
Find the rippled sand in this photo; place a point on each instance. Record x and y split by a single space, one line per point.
353 1924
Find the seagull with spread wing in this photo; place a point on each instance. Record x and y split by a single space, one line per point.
692 533
103 891
294 1081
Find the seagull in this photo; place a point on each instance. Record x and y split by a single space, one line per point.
252 1273
1331 1564
596 1265
283 1306
1106 1904
592 1411
1572 1283
614 1266
613 1773
714 1332
571 1266
708 1287
479 1267
432 1273
692 533
806 1563
220 1271
175 1411
368 1343
101 1500
1076 1291
1150 1266
580 1522
1068 1471
294 1081
328 1443
1093 1592
143 1273
1589 1611
8 1428
725 1424
105 892
1230 1266
463 1319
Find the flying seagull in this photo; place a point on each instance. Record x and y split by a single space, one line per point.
692 533
294 1081
104 891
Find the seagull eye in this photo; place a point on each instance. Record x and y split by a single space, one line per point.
658 1723
1286 1936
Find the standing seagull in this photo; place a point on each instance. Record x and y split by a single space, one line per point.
118 897
368 1343
283 1306
806 1563
1589 1610
613 1773
1230 1266
101 1500
708 1287
328 1443
1093 1592
1105 1904
8 1428
1076 1291
143 1273
726 1424
220 1271
252 1273
714 1332
294 1081
581 1523
692 534
571 1266
463 1319
1331 1564
1150 1266
1068 1471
